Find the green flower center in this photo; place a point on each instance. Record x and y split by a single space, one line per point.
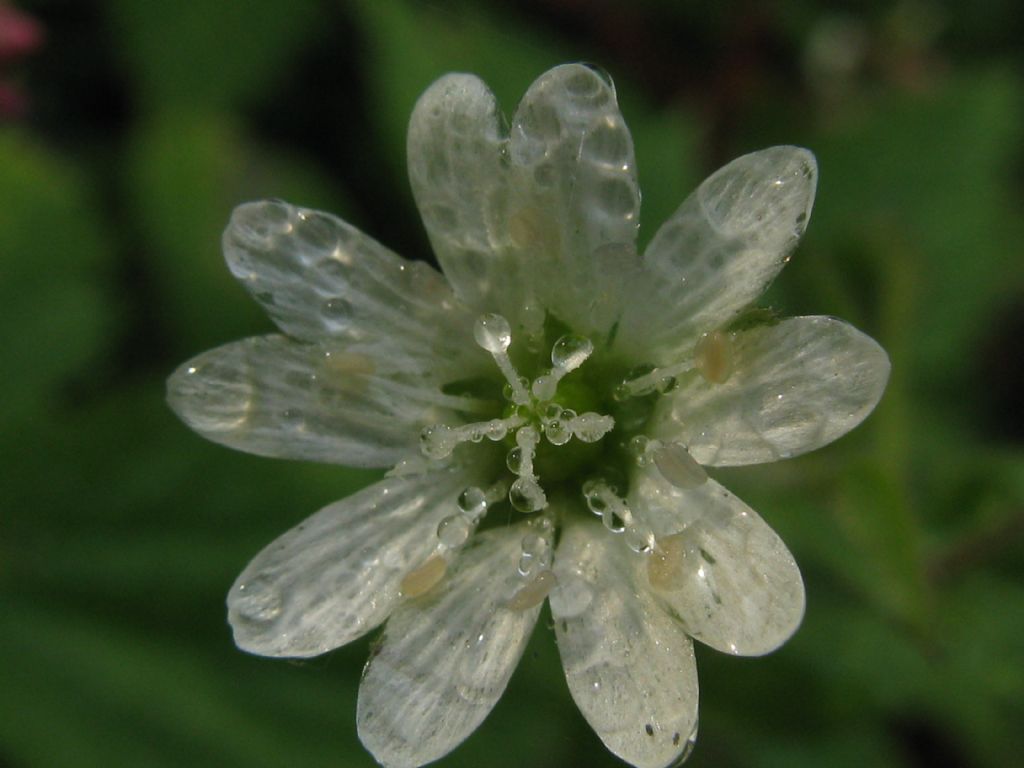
567 433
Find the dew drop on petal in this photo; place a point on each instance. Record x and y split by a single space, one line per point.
337 314
533 544
472 501
493 333
454 530
258 600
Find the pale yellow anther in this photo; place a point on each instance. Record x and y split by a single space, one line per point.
421 580
713 356
665 564
533 592
347 371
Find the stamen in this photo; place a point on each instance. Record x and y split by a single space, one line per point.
421 580
439 440
568 354
657 380
533 592
676 464
616 515
526 495
713 355
493 333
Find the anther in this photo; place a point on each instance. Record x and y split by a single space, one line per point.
676 464
657 380
713 356
533 592
421 580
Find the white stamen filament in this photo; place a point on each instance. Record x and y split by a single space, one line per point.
648 382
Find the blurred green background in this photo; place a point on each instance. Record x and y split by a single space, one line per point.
146 122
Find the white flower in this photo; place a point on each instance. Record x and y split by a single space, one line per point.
553 378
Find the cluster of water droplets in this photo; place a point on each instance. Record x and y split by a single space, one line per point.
534 415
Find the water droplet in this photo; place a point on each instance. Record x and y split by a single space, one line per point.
454 530
496 430
526 564
571 351
514 460
557 432
533 544
640 540
258 600
544 387
436 442
666 385
527 496
591 427
472 501
612 520
492 332
337 313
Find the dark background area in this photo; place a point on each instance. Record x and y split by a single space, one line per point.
135 127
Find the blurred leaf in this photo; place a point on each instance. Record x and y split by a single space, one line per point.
192 53
933 170
54 256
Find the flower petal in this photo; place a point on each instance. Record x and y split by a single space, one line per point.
275 397
336 575
457 174
718 566
723 246
445 658
629 665
795 386
574 194
319 277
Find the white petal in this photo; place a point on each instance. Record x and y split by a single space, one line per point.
318 277
458 176
574 195
336 576
730 579
795 387
629 665
276 397
723 246
446 657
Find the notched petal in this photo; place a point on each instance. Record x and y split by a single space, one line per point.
718 566
446 657
723 246
795 387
